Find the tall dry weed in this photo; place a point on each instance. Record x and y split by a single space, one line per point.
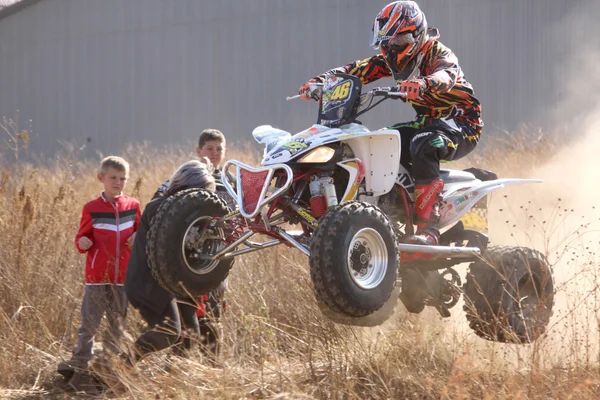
276 344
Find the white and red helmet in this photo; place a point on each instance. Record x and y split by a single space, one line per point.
400 32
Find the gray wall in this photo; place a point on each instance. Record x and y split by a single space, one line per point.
120 71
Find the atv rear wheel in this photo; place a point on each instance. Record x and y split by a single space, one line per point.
509 295
181 235
354 259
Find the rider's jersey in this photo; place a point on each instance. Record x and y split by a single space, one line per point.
448 94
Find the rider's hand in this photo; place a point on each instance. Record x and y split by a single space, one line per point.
413 88
84 243
305 91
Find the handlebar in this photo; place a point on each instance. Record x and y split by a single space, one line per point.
387 91
378 91
313 88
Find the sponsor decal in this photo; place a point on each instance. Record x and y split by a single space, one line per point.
336 95
432 192
420 135
473 220
231 214
309 218
341 92
331 81
437 142
465 197
308 133
295 146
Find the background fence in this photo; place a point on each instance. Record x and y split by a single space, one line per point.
105 73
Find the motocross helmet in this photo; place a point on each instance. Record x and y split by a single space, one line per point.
400 32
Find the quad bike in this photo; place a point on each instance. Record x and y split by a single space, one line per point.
352 202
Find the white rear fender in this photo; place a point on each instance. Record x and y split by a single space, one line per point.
380 154
459 199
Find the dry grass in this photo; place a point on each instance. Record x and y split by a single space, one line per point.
277 344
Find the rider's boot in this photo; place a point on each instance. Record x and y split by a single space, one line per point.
427 204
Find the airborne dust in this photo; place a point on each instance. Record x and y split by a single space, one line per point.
560 217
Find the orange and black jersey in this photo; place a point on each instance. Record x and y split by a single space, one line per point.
447 95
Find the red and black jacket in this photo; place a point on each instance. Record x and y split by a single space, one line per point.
448 93
108 226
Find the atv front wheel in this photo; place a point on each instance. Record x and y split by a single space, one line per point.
181 236
509 295
354 259
374 319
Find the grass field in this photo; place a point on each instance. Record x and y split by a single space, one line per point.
277 344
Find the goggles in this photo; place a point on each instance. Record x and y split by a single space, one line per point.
400 43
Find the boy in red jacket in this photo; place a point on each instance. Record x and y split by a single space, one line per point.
106 233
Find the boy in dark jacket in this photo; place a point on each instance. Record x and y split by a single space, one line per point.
158 307
211 150
106 233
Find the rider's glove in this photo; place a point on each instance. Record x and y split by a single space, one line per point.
305 91
413 88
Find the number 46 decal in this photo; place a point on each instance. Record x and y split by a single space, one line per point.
342 91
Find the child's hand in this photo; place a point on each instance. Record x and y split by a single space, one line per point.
206 160
85 243
131 240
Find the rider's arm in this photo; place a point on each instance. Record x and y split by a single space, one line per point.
368 70
443 70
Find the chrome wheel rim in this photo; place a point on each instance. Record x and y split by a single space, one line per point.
367 258
200 241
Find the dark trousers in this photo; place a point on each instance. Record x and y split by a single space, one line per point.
166 327
428 141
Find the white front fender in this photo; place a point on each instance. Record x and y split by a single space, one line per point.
457 200
380 153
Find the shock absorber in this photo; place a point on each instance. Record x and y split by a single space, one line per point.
322 194
318 202
329 189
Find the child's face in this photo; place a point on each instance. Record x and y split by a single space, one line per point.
113 181
214 150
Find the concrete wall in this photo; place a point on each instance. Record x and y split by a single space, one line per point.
120 71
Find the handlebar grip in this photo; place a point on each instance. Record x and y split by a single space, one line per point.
397 94
381 91
388 91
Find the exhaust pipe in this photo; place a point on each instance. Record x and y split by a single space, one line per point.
440 251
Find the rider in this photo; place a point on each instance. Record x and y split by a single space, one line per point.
448 122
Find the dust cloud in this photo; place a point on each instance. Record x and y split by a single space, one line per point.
559 217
